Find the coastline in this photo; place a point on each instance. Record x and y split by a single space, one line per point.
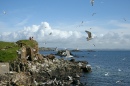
32 68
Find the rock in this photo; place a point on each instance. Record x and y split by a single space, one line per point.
32 68
20 79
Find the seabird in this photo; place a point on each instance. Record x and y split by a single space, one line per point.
4 12
119 81
56 49
50 33
27 57
124 19
88 65
82 22
92 2
123 58
19 52
35 82
44 43
106 74
70 77
93 14
89 35
68 54
119 70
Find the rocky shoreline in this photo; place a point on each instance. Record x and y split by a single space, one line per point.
46 72
34 69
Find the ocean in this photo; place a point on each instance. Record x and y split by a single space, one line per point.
109 67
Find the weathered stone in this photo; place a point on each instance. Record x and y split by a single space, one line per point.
4 68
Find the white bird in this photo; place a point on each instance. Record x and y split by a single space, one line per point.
56 49
119 70
119 81
68 54
18 51
92 2
89 35
27 57
35 82
44 43
70 78
123 58
107 74
4 12
88 65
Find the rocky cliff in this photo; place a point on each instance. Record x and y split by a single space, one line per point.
33 69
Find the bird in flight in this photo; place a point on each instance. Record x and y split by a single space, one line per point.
89 35
106 74
124 19
4 12
92 2
50 33
81 23
93 14
94 45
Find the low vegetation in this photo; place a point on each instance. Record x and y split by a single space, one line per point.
8 49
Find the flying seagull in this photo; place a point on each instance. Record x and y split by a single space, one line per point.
94 45
93 14
124 19
50 33
81 24
44 43
92 2
68 54
106 74
89 35
4 12
119 70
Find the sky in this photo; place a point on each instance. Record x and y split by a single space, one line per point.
67 20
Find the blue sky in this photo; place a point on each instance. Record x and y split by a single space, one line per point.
26 18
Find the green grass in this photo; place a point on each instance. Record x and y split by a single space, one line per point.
28 43
8 49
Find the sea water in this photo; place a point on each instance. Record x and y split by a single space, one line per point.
109 67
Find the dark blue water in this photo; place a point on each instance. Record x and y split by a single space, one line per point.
115 63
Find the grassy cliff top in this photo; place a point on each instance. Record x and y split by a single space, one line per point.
27 43
8 49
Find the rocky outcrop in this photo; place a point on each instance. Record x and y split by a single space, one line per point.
63 53
50 72
34 69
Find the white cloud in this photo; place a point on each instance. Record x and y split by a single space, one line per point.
103 38
41 34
